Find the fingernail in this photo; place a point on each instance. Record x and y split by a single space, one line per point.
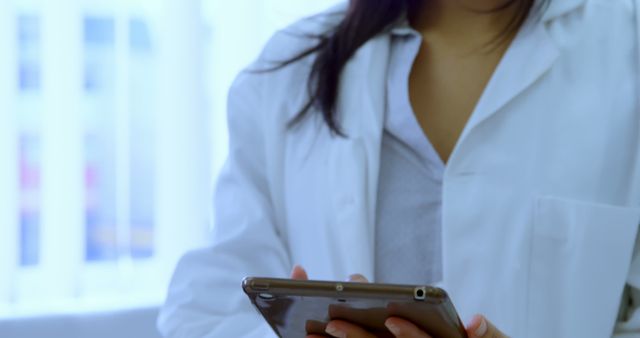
332 330
358 278
394 329
482 328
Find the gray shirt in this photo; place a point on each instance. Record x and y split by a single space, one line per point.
408 228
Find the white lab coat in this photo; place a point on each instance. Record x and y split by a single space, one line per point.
541 196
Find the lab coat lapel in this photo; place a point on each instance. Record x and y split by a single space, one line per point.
529 57
355 159
534 52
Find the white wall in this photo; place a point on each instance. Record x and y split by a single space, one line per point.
183 168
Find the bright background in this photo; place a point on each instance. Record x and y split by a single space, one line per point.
112 130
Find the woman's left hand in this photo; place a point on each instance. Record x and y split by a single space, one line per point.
479 327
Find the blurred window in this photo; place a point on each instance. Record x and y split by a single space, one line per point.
122 261
111 195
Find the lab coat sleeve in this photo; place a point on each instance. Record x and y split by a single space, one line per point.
629 324
205 298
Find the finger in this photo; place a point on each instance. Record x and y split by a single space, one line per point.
480 327
404 329
358 278
298 273
342 329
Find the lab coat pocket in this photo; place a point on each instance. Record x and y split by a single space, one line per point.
580 258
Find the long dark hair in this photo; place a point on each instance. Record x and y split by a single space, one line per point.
363 20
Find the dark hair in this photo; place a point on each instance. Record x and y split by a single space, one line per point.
363 20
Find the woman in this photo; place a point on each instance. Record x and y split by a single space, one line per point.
489 147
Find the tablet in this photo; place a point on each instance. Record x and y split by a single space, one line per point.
296 308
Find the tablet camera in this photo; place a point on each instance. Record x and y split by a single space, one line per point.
420 293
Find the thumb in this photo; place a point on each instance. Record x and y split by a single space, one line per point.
298 273
480 327
358 278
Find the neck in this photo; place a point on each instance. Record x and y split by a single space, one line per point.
463 21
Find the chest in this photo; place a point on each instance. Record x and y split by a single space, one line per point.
445 85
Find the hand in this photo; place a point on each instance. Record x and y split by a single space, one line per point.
479 327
